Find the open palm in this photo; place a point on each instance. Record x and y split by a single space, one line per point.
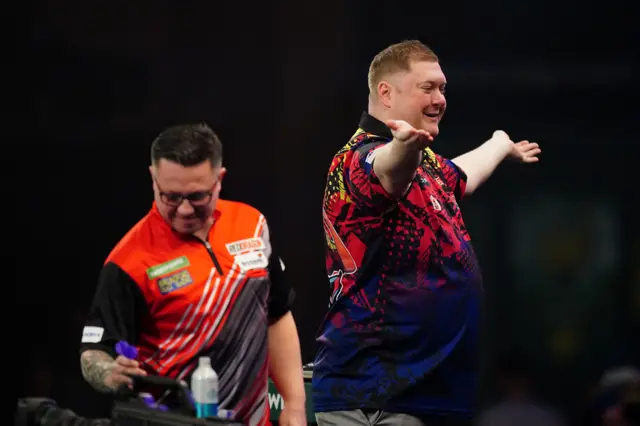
525 152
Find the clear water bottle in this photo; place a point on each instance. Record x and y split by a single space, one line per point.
204 389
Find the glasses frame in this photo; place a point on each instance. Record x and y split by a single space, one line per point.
185 196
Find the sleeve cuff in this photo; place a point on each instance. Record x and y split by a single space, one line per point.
278 311
110 349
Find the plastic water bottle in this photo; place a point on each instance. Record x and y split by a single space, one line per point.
204 389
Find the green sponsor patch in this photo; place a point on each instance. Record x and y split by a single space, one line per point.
166 267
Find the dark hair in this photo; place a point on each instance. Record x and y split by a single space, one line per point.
187 145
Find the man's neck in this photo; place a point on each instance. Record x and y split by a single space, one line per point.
379 112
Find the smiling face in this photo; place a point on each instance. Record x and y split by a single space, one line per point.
416 96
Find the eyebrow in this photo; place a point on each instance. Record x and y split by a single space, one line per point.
425 82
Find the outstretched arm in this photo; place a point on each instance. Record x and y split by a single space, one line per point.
481 162
396 163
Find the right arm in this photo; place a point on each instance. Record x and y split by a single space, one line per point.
106 374
379 173
113 316
396 163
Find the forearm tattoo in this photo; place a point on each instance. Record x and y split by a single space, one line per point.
96 366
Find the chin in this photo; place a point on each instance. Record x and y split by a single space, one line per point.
187 228
431 127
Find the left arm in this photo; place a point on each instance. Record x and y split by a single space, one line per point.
285 360
481 162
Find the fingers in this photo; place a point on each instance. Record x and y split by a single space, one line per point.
122 376
134 372
404 132
527 146
120 379
129 371
121 372
393 124
126 362
425 134
115 381
128 366
420 136
528 151
413 136
401 129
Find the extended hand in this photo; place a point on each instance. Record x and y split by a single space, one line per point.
405 133
523 151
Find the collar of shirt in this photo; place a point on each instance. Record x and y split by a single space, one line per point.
370 124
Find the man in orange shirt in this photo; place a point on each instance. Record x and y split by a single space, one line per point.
197 276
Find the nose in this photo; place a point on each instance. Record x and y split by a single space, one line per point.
437 98
185 208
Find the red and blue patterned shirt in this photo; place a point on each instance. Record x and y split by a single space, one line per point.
402 327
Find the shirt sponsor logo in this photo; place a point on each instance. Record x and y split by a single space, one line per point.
166 267
91 334
174 282
252 260
243 246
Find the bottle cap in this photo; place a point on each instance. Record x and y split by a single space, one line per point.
204 361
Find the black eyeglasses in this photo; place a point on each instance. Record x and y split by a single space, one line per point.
196 198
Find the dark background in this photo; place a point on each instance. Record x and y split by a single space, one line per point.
283 83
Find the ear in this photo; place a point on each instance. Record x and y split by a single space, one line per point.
153 172
384 91
221 173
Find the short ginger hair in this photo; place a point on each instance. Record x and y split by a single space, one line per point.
398 58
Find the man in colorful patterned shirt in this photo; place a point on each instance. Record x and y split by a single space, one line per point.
398 345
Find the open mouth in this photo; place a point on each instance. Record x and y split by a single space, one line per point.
432 115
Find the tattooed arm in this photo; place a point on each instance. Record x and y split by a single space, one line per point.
96 367
106 374
115 313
